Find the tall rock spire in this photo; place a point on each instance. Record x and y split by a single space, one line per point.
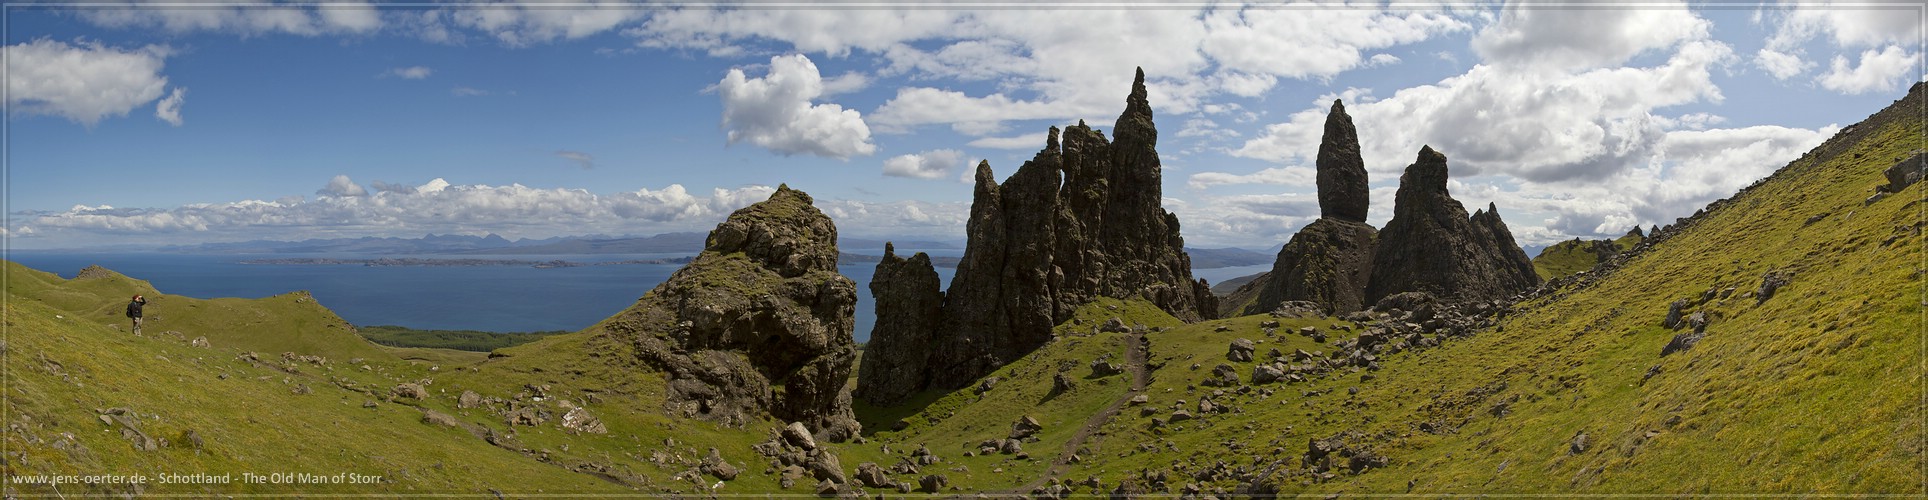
1343 192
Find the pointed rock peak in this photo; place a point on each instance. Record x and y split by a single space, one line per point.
1427 174
1343 190
1492 208
1051 139
783 187
1427 155
984 176
1636 231
890 250
1137 103
1338 107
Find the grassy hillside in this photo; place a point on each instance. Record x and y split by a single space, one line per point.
1816 389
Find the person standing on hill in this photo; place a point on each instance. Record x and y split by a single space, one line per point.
134 311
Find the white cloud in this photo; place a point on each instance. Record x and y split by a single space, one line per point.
1286 176
1781 64
935 164
409 73
1058 65
1536 125
898 218
1382 60
84 82
1573 39
527 23
775 112
1851 26
1877 72
845 83
344 208
1031 142
169 109
581 159
341 185
242 19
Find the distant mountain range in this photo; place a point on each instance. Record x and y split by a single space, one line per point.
492 244
861 249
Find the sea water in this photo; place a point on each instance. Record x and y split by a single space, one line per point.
508 298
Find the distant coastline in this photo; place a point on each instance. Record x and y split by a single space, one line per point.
416 262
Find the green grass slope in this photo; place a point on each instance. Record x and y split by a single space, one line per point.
1817 389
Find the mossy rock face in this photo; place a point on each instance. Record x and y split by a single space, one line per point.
1329 262
758 325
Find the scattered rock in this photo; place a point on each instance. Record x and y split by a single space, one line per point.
1266 374
410 390
715 466
468 399
799 436
1579 444
933 483
1240 350
578 420
1061 383
1770 282
1681 342
433 417
1025 427
201 342
871 476
1905 172
1114 325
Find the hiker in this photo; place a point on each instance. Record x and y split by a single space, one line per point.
134 311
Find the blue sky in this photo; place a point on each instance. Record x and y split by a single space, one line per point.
149 125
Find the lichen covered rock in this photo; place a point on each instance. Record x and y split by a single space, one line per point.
759 324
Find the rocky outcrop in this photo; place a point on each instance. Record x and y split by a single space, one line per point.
757 325
1082 219
1343 192
1432 246
909 307
1329 262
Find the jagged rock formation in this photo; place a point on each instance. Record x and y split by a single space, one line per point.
1343 191
1082 219
909 308
1432 246
1329 262
758 324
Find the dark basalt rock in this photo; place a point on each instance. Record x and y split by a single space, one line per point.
1343 193
1432 246
1329 262
1082 219
762 307
909 308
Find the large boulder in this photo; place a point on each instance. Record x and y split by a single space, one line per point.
1432 246
909 309
758 325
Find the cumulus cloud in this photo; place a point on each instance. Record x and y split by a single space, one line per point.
775 112
1878 71
86 81
341 185
1536 125
527 23
1062 65
1781 65
1285 176
169 109
1022 142
243 19
1570 39
344 207
935 164
581 159
409 73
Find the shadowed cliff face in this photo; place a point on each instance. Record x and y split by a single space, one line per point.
1432 246
1082 219
758 324
1342 264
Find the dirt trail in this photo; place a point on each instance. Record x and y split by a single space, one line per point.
1135 353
